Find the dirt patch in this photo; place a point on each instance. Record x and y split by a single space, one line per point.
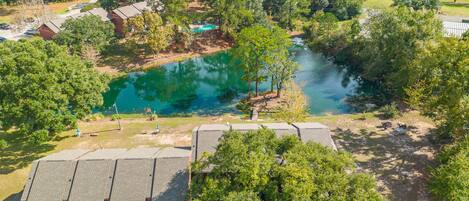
400 162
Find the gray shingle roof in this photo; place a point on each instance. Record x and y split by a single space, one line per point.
206 137
56 24
245 127
133 10
315 132
119 174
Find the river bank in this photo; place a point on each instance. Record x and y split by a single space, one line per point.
120 61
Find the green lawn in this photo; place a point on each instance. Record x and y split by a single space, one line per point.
448 7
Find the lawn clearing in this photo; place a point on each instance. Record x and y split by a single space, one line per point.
399 163
448 7
8 13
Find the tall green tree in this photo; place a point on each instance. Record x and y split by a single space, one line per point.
43 89
290 11
393 40
234 15
259 166
257 46
149 31
441 85
418 4
87 31
450 180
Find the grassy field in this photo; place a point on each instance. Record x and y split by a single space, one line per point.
7 13
349 131
448 7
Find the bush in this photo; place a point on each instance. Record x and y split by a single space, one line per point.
3 144
450 181
389 111
39 137
115 117
94 117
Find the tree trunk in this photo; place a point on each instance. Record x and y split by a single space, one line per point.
279 89
272 84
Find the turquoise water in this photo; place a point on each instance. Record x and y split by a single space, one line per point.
213 85
206 27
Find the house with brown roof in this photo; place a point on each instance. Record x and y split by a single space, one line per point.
121 14
49 29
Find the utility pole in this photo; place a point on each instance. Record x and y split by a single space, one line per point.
118 117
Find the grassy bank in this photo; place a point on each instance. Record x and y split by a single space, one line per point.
348 131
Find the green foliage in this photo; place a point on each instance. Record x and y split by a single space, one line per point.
286 12
115 117
346 9
259 166
234 15
394 39
93 117
43 89
149 30
113 4
441 85
389 111
261 47
418 4
87 31
465 35
90 7
324 33
39 137
3 144
450 180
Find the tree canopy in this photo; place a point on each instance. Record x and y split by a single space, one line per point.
43 89
261 49
441 85
150 31
394 38
450 180
259 166
418 4
83 32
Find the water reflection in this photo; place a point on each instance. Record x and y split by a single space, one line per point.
213 85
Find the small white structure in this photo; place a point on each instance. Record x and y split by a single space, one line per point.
455 29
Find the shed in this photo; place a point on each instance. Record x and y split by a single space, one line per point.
281 129
315 132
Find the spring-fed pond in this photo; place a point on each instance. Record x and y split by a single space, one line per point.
213 84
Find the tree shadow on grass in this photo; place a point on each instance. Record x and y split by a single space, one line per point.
400 162
20 153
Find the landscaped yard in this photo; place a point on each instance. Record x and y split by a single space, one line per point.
398 162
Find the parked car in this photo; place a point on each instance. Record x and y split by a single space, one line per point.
31 32
2 39
5 26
